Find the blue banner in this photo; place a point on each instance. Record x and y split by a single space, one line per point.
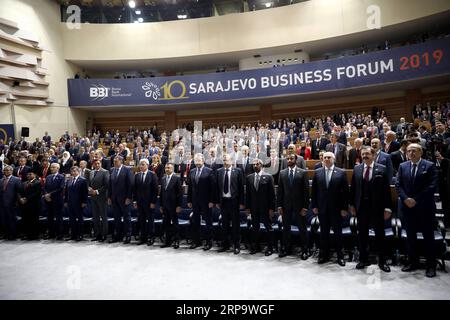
6 132
381 67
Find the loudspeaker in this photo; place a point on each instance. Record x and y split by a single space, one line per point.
25 132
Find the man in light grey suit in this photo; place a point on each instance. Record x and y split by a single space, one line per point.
98 191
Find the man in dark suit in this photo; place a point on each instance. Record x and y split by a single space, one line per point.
260 205
47 138
84 172
53 196
293 203
244 162
370 202
382 158
390 144
330 202
416 184
273 166
230 198
22 169
201 194
82 156
10 187
98 184
399 156
120 194
171 197
354 155
30 204
213 161
339 150
75 199
145 194
318 144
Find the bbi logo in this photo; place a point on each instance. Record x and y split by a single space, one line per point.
99 92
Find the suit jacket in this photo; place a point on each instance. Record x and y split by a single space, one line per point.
353 155
422 189
293 197
236 185
121 185
380 194
385 159
54 185
397 158
85 173
171 197
202 192
261 200
341 154
23 173
333 199
32 192
318 165
9 197
393 146
247 167
274 171
315 150
99 182
76 194
145 192
65 169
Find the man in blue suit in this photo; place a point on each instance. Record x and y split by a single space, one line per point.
383 158
330 201
145 195
53 196
416 184
75 199
10 187
119 196
201 186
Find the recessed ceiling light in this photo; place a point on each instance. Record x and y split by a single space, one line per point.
138 11
268 4
132 3
140 19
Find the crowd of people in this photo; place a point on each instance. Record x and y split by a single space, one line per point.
260 169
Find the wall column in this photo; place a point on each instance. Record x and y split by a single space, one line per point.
265 113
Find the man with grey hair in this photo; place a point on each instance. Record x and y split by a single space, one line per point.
10 187
416 185
53 196
354 156
390 143
201 198
329 200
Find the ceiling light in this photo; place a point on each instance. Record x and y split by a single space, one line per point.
132 3
140 19
268 4
138 11
182 16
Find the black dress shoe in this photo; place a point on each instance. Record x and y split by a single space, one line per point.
102 239
362 265
253 251
113 240
59 238
79 239
95 239
223 249
236 250
150 241
165 245
268 252
304 256
384 267
430 273
141 242
282 254
341 262
176 244
207 246
127 240
323 260
409 268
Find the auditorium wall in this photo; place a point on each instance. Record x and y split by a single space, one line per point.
42 18
299 23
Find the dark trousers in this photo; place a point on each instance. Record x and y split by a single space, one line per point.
55 218
76 220
294 218
329 220
30 219
257 219
9 221
170 224
230 213
415 222
121 211
198 212
100 217
146 221
366 219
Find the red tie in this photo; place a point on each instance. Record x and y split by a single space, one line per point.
367 174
